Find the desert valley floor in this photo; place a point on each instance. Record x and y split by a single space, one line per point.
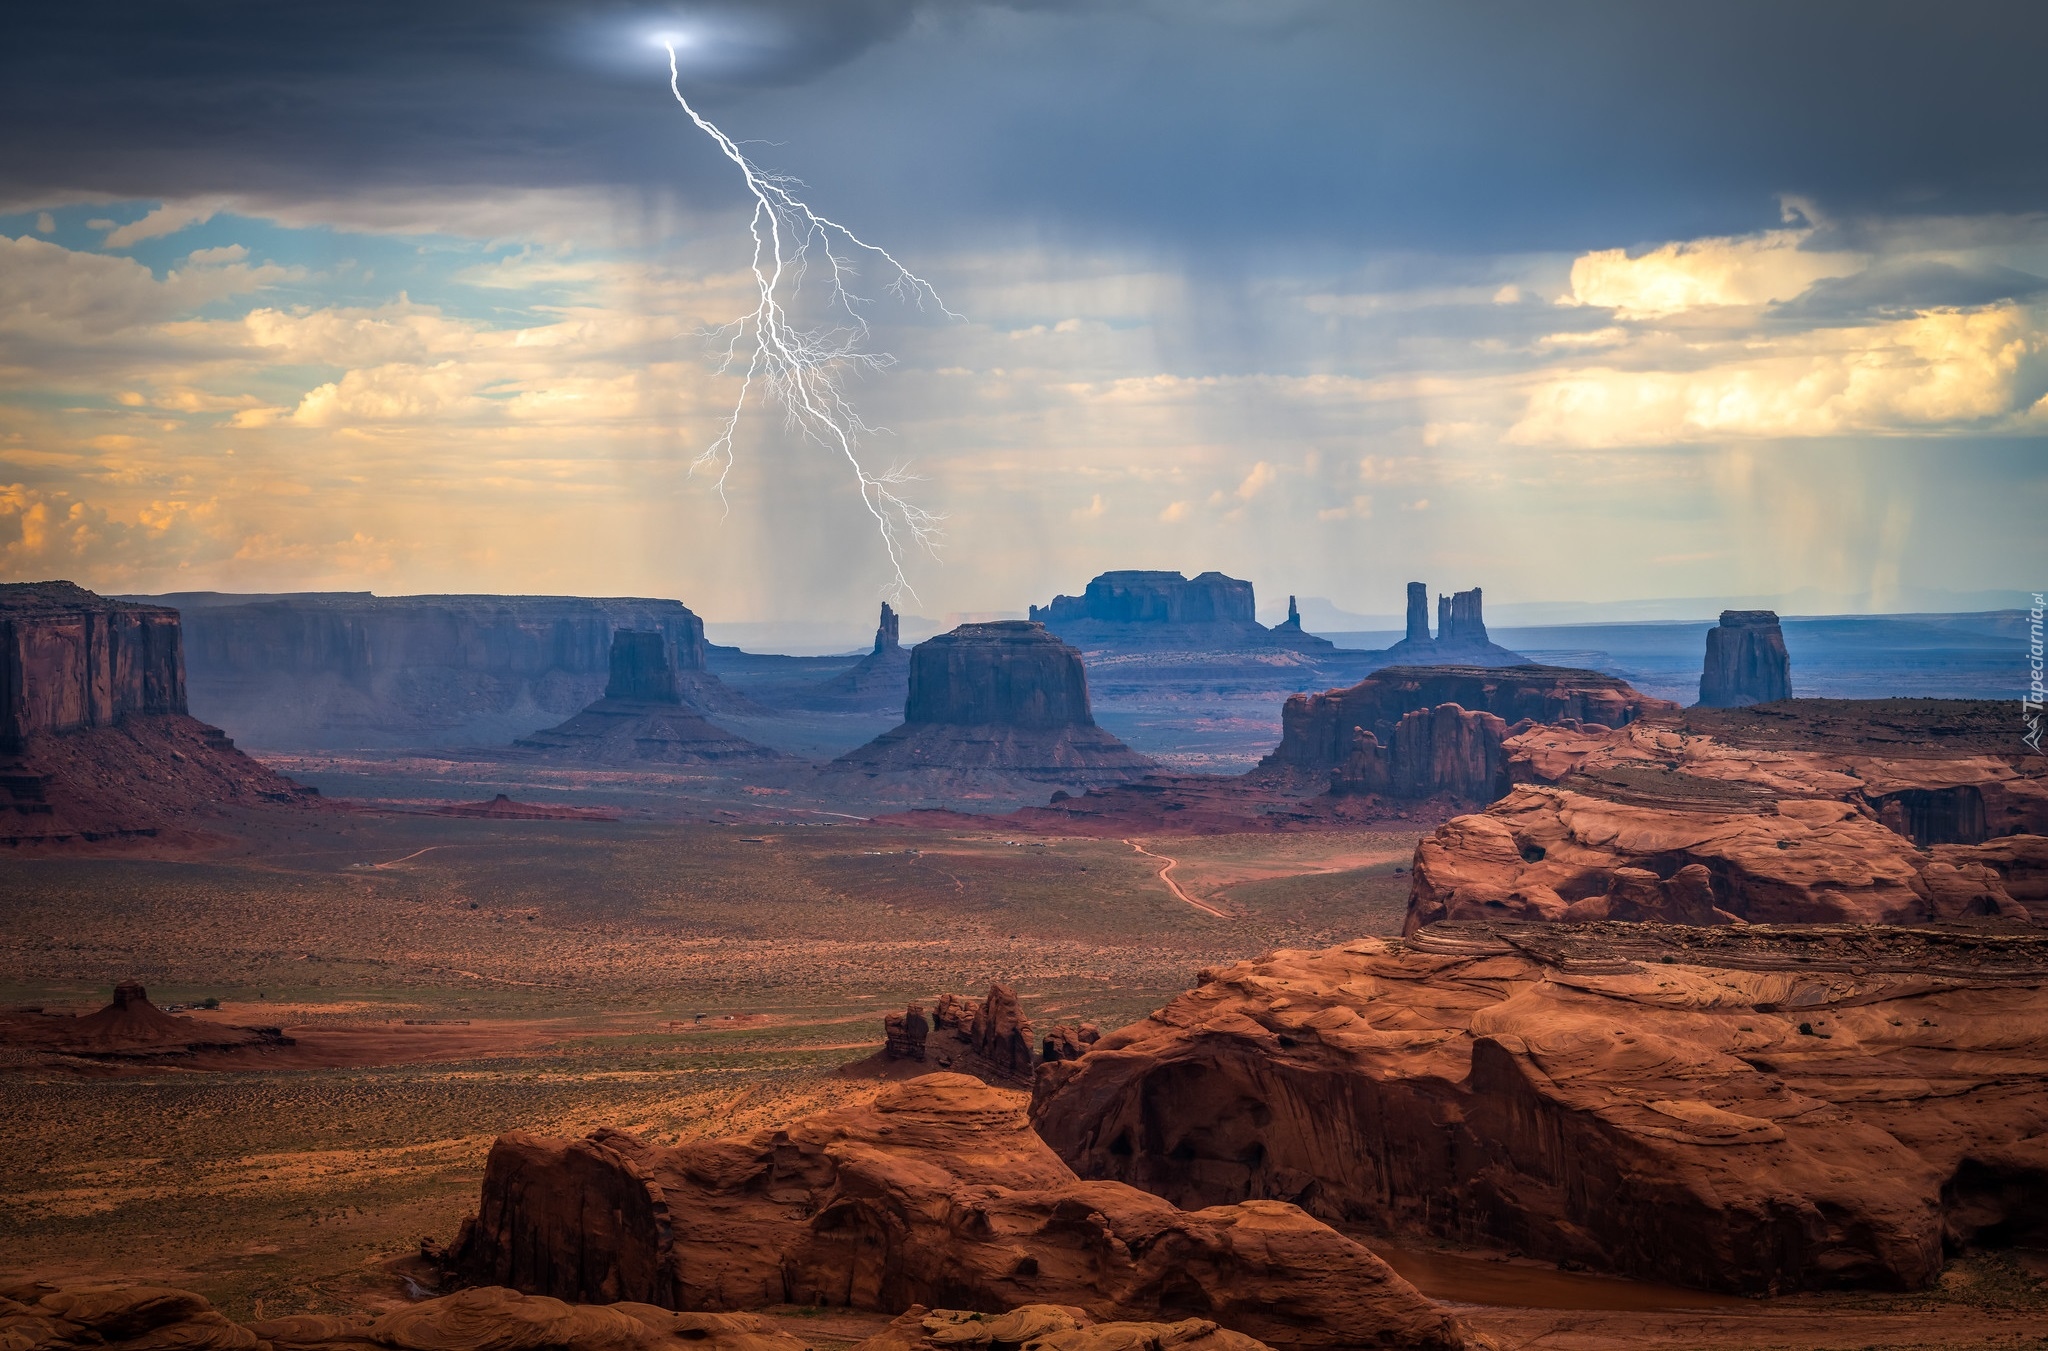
445 980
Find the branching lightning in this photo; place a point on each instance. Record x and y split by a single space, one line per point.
804 368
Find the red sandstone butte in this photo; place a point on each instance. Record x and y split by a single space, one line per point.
95 742
1739 1109
1005 696
936 1193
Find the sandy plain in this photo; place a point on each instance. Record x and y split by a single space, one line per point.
448 979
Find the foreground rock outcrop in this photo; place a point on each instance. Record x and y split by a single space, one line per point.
1808 811
349 669
642 718
1746 661
1047 1327
937 1193
95 742
42 1316
1004 696
1747 1110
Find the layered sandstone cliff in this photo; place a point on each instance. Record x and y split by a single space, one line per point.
346 670
1447 750
1746 661
1319 731
1749 1110
95 742
1807 811
641 718
935 1193
70 659
1005 696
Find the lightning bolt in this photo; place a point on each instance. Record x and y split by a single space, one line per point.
804 368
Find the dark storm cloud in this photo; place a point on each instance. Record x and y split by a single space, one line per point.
1200 123
1913 284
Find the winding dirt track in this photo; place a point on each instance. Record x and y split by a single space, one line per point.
1173 886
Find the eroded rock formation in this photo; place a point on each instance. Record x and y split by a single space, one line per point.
1460 634
641 717
936 1193
42 1316
1741 1109
906 1034
880 680
1005 696
356 670
1807 811
1047 1327
1446 749
1746 661
1318 731
1001 1035
95 742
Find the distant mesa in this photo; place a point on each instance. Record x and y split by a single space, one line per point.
95 742
641 718
1746 661
1168 609
351 670
1005 696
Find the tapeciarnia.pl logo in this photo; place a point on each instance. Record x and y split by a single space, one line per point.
2030 706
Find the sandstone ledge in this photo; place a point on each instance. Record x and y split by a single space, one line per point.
1747 1109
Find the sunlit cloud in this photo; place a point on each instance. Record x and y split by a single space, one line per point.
1690 274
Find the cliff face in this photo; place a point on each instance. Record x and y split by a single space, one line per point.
935 1191
1317 730
1002 696
95 743
353 670
1441 750
1746 661
70 659
1674 1104
640 668
1010 673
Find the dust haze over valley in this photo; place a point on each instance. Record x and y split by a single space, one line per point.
1462 769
